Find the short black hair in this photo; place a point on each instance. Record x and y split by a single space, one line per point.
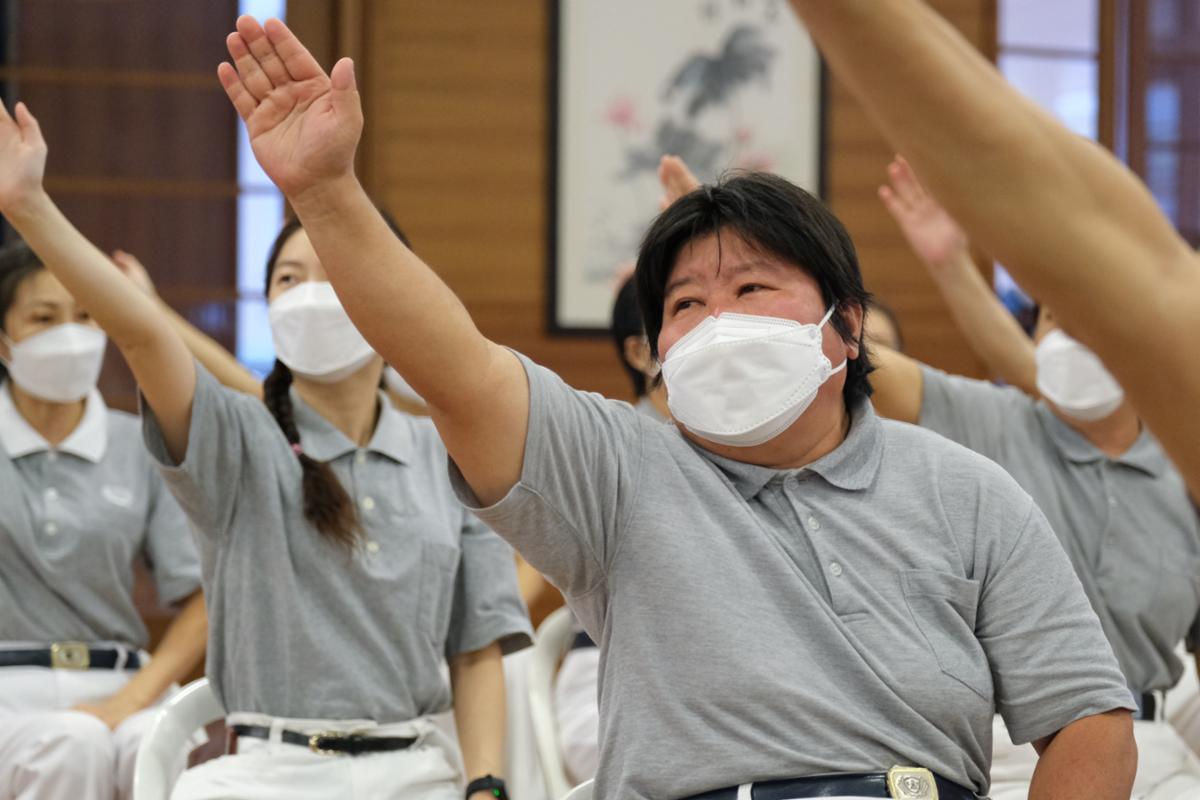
777 217
626 322
17 262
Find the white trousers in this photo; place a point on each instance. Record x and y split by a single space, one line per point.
1167 769
1183 702
271 770
578 713
47 751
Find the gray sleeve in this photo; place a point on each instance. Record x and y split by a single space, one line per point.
206 483
583 458
487 603
1051 663
976 414
169 549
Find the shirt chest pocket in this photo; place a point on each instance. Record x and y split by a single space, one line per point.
439 574
943 607
1176 596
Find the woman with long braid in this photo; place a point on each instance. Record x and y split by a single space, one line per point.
340 573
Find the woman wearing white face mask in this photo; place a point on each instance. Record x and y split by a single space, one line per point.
81 501
341 573
1114 499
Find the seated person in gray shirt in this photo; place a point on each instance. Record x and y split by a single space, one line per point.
341 573
1110 493
785 588
80 502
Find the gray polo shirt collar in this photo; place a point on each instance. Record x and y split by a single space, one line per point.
851 466
1143 455
88 441
324 442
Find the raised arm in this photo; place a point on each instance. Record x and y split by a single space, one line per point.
304 127
215 358
942 246
1075 227
158 358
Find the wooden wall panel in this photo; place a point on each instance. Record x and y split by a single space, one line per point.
455 147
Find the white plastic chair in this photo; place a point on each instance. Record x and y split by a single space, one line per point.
554 637
170 736
581 792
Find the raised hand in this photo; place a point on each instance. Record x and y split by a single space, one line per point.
135 271
304 125
676 179
22 158
933 234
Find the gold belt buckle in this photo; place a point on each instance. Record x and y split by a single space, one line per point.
316 737
70 655
911 783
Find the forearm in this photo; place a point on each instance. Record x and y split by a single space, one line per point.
159 361
181 649
1094 758
989 329
215 358
1021 184
401 306
477 392
479 710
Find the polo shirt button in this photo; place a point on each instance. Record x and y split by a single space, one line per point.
835 569
368 503
812 523
1112 501
372 547
360 457
51 494
50 528
52 456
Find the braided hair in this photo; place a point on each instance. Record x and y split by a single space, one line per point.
327 504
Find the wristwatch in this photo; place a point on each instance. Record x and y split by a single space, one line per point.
490 784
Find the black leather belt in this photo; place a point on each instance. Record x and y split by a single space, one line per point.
328 743
71 655
908 783
1148 707
581 641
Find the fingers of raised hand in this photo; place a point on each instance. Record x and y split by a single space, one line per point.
296 59
263 51
249 70
239 95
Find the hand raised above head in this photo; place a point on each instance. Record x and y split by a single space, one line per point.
676 179
22 157
304 125
934 235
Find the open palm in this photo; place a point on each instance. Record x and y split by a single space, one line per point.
22 157
932 233
304 125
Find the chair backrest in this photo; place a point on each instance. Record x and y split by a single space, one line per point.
581 792
554 637
170 736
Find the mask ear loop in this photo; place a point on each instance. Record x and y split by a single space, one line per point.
828 316
9 344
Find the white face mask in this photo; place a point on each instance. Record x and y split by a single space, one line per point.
313 335
61 364
741 380
1072 378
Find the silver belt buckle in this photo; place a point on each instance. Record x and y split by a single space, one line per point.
70 655
911 783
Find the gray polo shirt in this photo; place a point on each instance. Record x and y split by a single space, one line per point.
863 612
74 519
299 627
1126 522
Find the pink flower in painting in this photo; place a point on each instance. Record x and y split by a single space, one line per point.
756 160
743 134
622 113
